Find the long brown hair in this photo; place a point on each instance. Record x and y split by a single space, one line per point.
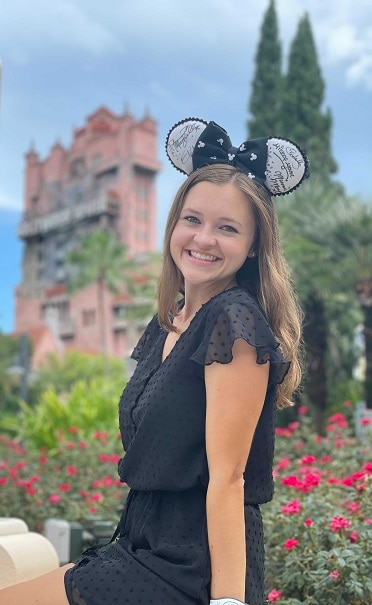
266 277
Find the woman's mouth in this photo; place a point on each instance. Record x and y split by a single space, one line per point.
203 256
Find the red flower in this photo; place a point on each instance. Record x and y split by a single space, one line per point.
72 470
291 543
83 445
96 497
326 459
64 487
283 463
73 429
43 459
3 480
335 575
368 467
283 432
339 523
308 522
302 410
54 499
308 459
292 508
274 595
293 426
365 421
353 537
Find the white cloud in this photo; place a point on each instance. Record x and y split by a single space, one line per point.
8 202
28 29
360 72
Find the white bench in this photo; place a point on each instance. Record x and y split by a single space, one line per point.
23 554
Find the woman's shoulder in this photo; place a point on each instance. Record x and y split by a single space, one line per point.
147 339
234 298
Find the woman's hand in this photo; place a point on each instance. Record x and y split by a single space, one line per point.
226 602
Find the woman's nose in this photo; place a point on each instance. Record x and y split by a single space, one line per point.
204 238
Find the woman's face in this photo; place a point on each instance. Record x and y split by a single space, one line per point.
213 236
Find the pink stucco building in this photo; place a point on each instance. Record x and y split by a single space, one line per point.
104 181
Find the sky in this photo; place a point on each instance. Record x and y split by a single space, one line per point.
63 60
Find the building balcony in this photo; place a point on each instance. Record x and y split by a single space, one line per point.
54 221
119 324
67 327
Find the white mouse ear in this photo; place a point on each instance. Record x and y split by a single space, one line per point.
181 141
286 167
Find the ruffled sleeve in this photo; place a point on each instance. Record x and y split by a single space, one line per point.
146 341
240 319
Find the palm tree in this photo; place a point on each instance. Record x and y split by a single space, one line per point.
351 238
305 224
100 259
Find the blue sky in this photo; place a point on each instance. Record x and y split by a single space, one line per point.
62 60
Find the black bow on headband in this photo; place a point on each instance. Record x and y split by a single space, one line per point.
277 164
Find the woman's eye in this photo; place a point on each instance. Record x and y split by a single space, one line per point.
191 219
229 229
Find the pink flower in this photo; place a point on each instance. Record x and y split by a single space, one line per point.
335 575
96 497
326 459
64 487
339 523
54 499
353 507
283 463
73 429
274 595
291 543
283 432
302 410
83 445
43 459
72 470
3 480
353 537
347 404
308 522
292 508
339 417
365 421
299 445
293 426
308 459
368 521
368 467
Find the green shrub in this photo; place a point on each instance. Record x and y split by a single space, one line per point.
90 407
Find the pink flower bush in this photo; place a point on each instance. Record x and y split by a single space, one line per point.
319 523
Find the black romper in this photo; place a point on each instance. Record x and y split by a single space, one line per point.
161 556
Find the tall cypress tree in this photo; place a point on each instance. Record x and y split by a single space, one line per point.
265 102
302 117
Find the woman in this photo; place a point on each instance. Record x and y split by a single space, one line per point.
197 416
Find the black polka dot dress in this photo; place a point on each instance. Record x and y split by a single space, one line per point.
161 555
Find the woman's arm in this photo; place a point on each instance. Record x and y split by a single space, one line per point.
235 395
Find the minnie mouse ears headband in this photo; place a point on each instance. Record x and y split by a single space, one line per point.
277 164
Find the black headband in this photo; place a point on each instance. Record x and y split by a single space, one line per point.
277 164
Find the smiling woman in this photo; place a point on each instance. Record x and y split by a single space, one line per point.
197 416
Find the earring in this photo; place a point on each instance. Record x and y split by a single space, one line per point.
253 254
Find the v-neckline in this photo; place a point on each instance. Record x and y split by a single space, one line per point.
204 305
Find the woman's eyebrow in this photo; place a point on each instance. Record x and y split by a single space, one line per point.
228 219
